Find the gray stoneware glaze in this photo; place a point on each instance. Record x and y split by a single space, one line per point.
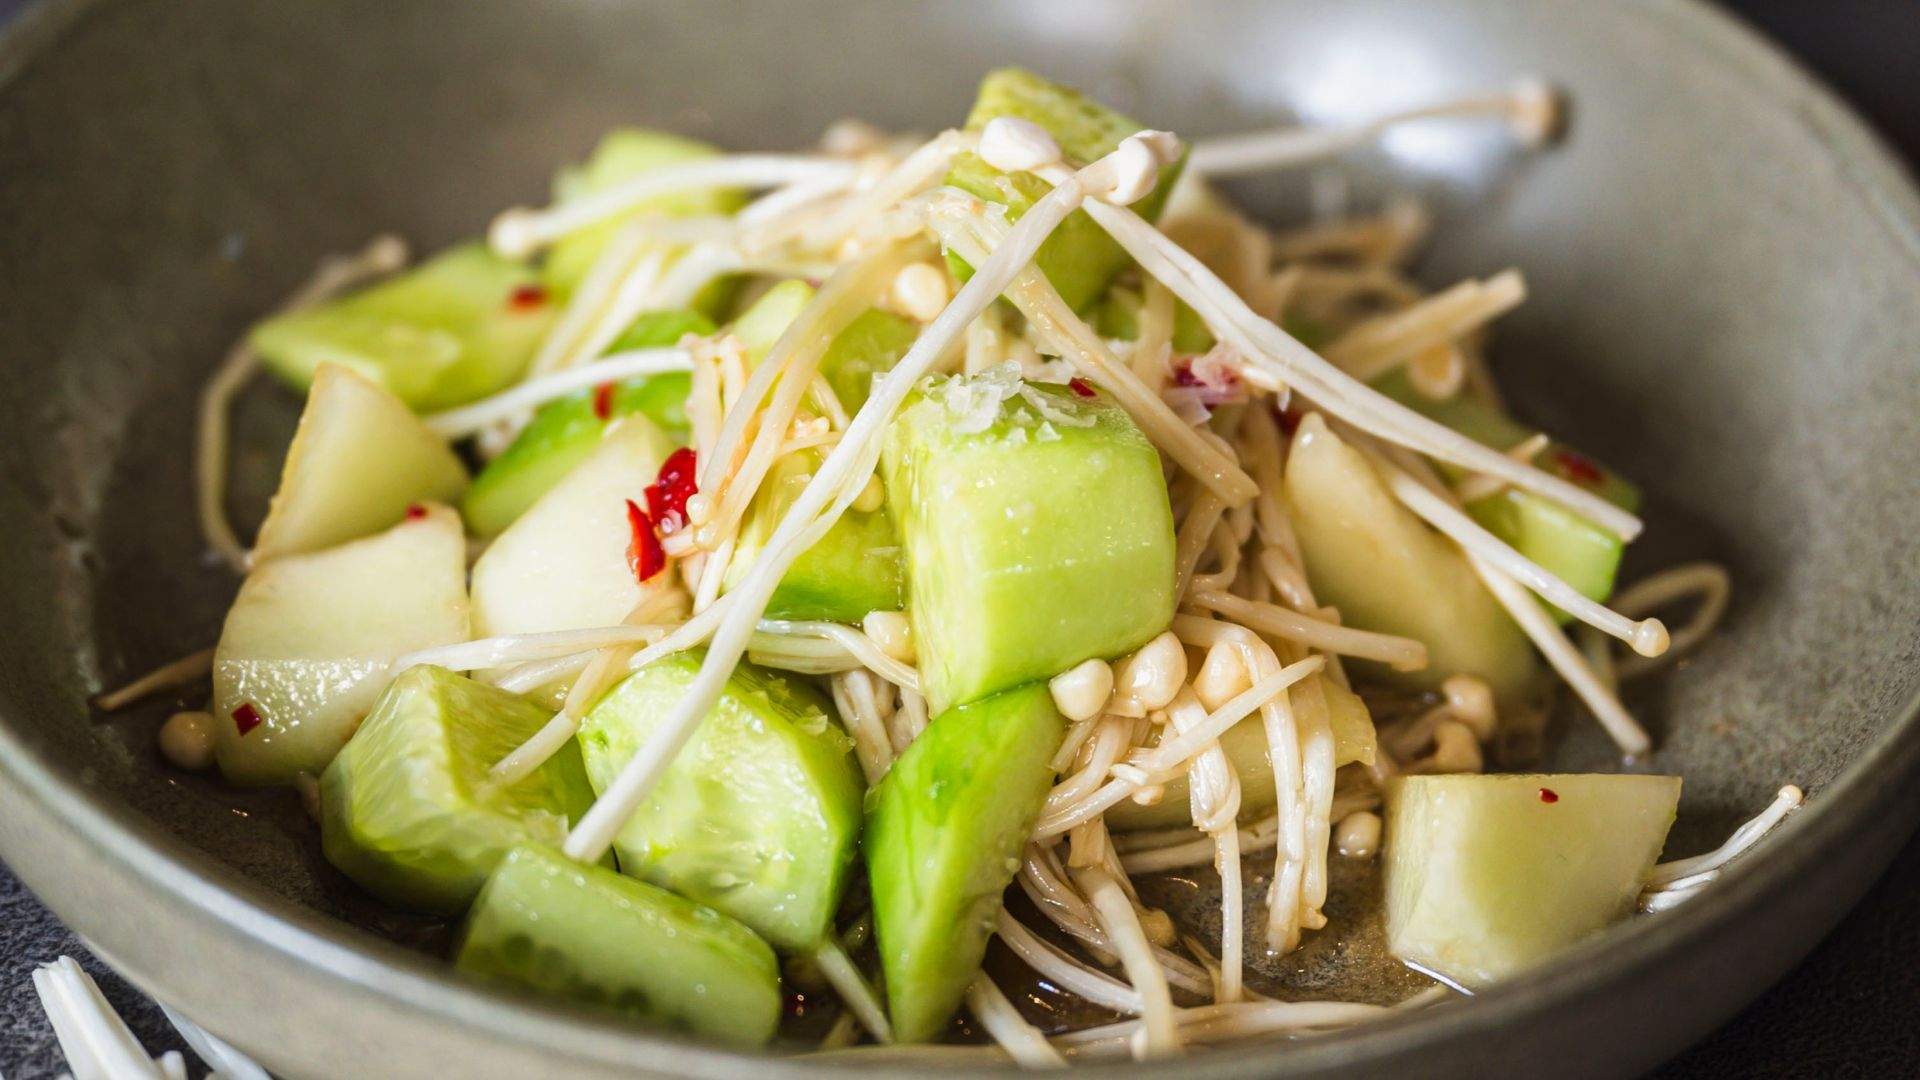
1724 270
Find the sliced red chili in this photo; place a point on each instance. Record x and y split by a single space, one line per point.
1548 795
667 496
603 401
527 298
1579 468
645 557
1080 386
246 717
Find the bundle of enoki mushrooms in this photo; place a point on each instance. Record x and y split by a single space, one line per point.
869 215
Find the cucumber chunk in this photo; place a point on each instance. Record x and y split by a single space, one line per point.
562 565
855 568
307 643
870 345
564 432
1584 554
359 459
447 332
408 810
944 833
757 816
548 925
1489 875
624 154
1387 571
1036 529
1245 744
1079 258
852 570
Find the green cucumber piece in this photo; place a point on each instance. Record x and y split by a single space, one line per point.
1118 318
1583 553
307 644
944 833
409 811
623 154
855 568
586 934
870 345
359 459
1487 876
1032 543
439 335
564 432
761 325
1079 258
852 570
1245 745
758 816
1387 571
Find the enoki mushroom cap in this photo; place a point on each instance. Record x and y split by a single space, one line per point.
512 234
1539 112
1650 637
1011 144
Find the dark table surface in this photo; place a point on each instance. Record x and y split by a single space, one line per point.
1851 1010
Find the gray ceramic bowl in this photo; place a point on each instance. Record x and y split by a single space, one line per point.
1726 280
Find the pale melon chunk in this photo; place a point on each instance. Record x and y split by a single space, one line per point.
1387 571
562 565
309 640
1489 875
359 458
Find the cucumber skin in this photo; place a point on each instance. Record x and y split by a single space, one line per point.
587 934
944 834
439 335
398 810
1581 552
566 430
1027 552
768 778
1079 258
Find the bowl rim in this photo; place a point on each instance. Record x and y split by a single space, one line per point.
1869 794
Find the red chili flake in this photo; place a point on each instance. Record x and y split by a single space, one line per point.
246 717
416 512
1549 796
1579 468
603 401
1183 374
678 481
527 298
645 557
1079 386
1288 420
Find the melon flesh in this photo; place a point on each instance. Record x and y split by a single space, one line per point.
1487 876
308 642
562 565
1388 572
359 458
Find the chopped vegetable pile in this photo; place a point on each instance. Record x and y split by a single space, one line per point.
749 586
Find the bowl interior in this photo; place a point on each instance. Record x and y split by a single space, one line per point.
1718 308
